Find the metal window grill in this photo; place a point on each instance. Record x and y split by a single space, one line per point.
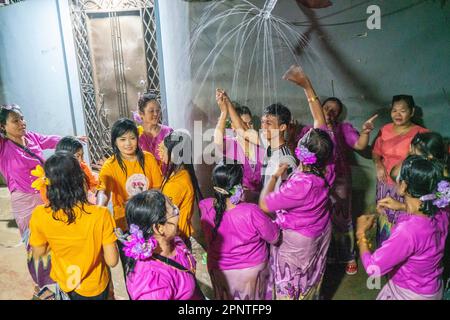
95 113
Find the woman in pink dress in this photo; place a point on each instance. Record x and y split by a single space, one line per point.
342 247
20 152
238 149
159 265
412 256
154 132
237 234
391 147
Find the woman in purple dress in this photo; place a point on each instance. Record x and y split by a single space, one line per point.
237 234
159 265
342 247
237 148
412 256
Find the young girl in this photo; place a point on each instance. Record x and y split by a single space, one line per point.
412 255
80 235
74 146
236 234
160 267
151 139
127 172
180 182
302 210
237 148
391 147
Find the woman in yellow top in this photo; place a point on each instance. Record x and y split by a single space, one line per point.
80 235
127 172
180 183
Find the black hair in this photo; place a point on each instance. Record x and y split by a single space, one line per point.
69 143
179 149
280 111
119 128
337 100
318 142
67 185
241 110
146 98
224 176
431 145
145 210
5 112
422 177
409 101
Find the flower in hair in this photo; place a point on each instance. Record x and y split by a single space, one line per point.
41 180
136 247
305 156
442 194
236 193
137 118
441 197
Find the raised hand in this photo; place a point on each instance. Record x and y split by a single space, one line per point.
296 75
221 100
368 125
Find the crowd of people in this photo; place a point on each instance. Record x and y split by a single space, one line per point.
281 207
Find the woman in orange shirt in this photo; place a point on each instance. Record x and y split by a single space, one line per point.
390 149
127 172
80 235
180 183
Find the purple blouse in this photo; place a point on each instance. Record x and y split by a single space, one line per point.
252 179
154 280
16 164
241 240
413 253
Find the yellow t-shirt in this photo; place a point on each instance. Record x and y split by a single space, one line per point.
77 254
124 186
180 190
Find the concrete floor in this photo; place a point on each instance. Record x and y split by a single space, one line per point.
16 283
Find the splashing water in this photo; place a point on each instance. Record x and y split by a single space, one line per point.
268 8
251 44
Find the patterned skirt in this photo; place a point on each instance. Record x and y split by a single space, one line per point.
342 247
241 284
387 219
298 266
22 205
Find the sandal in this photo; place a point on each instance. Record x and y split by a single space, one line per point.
351 268
44 294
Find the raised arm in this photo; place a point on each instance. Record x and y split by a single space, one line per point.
241 128
219 132
296 75
363 140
